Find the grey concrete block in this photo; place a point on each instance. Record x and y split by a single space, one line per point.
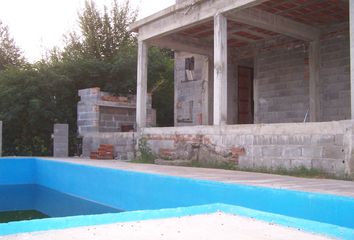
300 139
296 163
271 139
335 152
339 139
291 152
322 139
88 116
272 151
245 162
257 151
312 152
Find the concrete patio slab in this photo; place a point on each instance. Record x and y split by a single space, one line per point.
327 186
211 226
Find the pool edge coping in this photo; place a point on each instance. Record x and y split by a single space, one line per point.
49 224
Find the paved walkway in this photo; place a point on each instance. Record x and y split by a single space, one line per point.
338 187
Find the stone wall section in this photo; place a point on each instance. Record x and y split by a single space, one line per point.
325 146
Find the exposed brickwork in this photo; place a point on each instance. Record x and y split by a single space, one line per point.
324 146
123 145
104 152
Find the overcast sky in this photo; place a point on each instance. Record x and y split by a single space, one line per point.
38 25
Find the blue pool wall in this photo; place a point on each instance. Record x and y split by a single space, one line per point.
140 191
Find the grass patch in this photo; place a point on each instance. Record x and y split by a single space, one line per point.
295 172
298 172
145 154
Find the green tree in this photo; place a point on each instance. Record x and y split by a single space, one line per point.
101 34
10 54
35 96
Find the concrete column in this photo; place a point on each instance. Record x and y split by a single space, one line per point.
220 70
0 138
61 140
141 85
351 22
314 69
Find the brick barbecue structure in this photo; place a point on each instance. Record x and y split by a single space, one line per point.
100 113
258 83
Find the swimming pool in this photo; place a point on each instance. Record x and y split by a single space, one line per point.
151 196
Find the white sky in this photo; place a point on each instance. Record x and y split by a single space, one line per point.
37 25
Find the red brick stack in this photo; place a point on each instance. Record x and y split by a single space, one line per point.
114 99
105 151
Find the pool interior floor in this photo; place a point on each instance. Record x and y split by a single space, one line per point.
11 216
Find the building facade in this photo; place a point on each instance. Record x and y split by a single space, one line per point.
258 83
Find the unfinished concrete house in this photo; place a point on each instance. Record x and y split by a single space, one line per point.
258 83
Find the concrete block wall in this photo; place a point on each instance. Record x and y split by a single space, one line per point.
88 110
61 140
112 119
282 80
335 73
191 97
123 142
326 146
95 113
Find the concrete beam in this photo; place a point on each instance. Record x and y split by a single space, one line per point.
186 15
220 70
141 91
314 70
184 44
275 23
351 22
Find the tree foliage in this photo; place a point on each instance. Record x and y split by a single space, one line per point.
103 53
102 34
10 54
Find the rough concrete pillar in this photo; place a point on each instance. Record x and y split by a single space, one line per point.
61 140
0 138
141 92
314 70
220 70
351 23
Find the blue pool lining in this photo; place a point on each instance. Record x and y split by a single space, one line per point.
167 212
198 180
111 218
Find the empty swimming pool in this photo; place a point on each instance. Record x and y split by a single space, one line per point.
115 190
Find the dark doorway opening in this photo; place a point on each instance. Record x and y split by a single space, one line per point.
245 95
